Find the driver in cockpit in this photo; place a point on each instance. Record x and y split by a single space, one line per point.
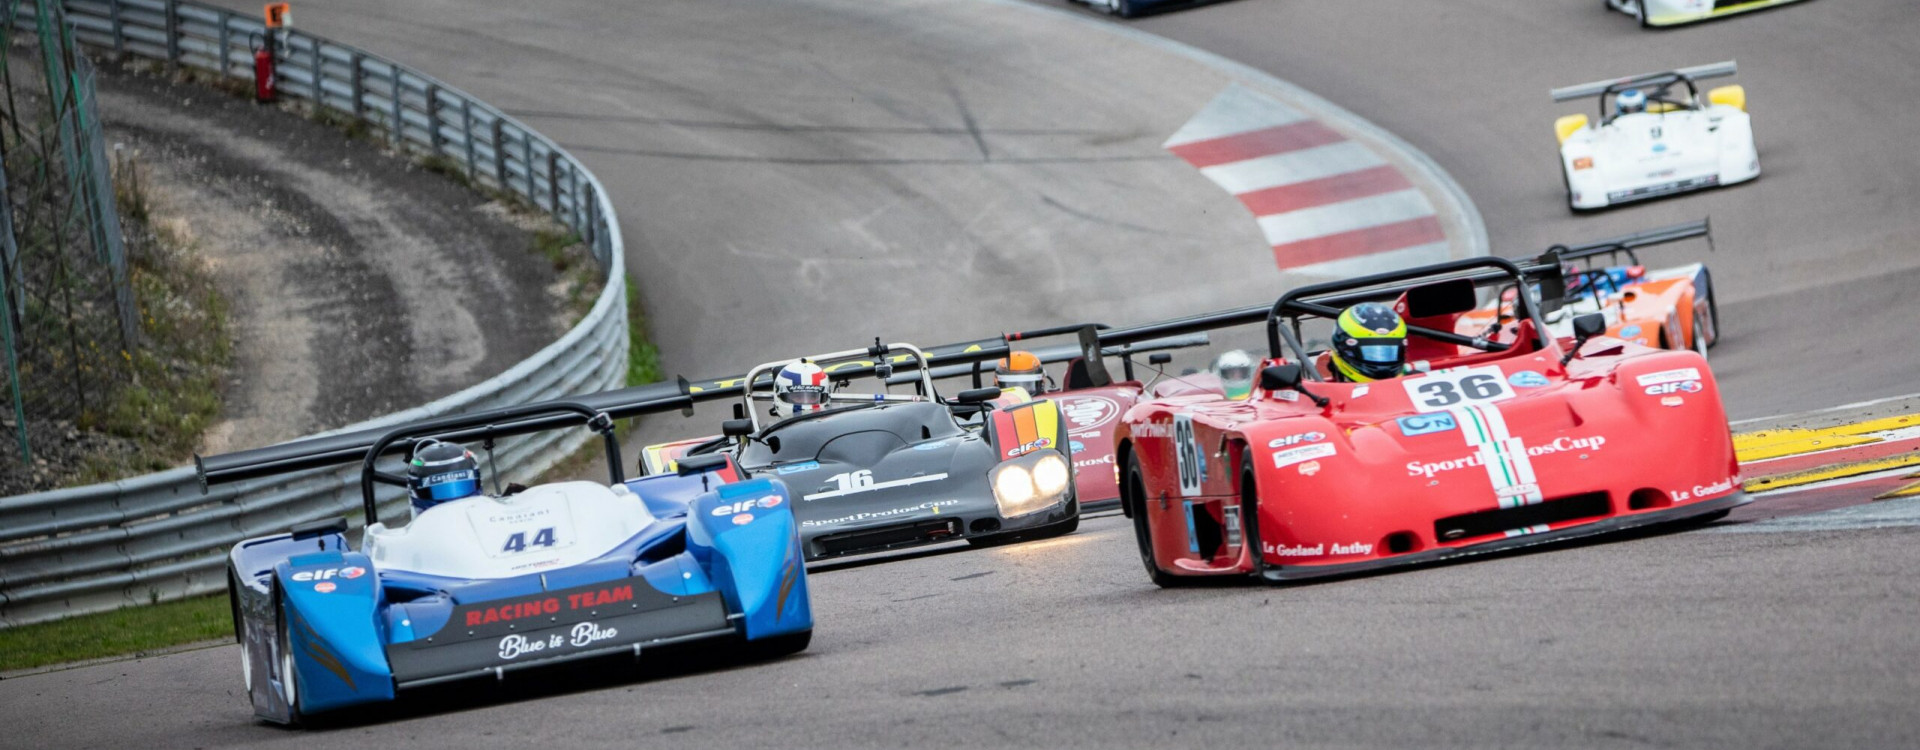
440 473
1369 343
1630 102
800 388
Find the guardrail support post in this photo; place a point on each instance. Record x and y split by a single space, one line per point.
172 10
399 132
358 78
119 36
553 181
499 158
433 119
466 134
225 64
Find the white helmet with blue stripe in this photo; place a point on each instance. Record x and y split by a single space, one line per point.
802 386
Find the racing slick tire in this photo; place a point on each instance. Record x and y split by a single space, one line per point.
1250 514
1121 8
283 659
1134 492
239 630
1712 317
767 649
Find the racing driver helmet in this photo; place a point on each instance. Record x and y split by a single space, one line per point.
1020 369
439 473
1235 370
1630 102
1369 343
802 386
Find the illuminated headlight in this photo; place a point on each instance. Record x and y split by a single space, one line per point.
1032 484
1013 487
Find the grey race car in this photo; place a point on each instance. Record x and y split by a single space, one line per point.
883 471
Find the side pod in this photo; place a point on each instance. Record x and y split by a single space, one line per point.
744 534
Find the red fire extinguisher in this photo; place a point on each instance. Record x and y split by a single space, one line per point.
263 83
277 17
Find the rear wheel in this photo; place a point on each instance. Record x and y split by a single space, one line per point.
1250 514
1135 492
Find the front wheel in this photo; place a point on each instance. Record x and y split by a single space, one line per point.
1135 492
284 661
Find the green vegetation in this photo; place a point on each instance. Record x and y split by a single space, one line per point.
643 358
174 395
125 631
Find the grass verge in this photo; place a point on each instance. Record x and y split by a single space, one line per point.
126 631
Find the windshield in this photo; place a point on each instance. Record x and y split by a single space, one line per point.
802 438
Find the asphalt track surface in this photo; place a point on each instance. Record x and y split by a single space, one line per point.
1687 639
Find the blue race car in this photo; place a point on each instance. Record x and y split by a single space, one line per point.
486 585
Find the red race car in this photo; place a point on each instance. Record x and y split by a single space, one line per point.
1508 438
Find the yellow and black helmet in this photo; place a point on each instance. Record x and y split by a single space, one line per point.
1369 343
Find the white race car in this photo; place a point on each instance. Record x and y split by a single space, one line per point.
1675 12
1666 140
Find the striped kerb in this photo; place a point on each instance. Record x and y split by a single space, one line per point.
1319 197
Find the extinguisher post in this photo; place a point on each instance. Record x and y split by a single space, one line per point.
266 51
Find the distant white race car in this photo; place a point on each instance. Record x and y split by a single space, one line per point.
1670 140
1675 12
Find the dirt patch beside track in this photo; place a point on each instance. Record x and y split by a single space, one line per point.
361 283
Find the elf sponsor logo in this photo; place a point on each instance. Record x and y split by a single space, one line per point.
1030 447
1090 412
1705 490
1669 376
1428 469
350 572
933 505
548 606
1683 386
770 501
1292 456
582 635
1153 430
1304 437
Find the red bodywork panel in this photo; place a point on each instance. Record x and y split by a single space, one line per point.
1485 448
1092 414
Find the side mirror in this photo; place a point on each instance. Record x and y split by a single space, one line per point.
735 428
1159 358
739 411
1280 378
977 396
1584 327
1589 325
1287 378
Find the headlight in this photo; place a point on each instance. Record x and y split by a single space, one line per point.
1013 487
1050 475
1031 484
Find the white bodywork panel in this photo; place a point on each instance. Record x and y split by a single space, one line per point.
543 528
1668 12
1647 155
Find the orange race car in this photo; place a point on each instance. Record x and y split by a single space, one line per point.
1668 308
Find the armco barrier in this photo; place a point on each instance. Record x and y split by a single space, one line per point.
158 537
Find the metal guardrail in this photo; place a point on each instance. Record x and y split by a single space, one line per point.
160 536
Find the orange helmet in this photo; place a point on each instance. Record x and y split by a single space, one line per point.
1020 369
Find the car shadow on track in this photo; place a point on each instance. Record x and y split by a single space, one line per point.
652 667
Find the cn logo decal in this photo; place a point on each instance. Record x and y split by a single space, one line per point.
1447 389
517 541
1427 424
1090 412
1193 467
1684 386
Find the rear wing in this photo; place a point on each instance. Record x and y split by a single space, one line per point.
1631 243
1695 73
1067 352
345 448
